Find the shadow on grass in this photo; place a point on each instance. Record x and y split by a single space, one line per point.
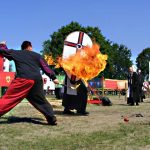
146 102
58 112
14 119
125 105
75 114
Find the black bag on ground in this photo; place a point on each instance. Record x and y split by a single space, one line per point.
106 101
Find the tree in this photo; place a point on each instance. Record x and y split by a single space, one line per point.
142 62
118 55
121 61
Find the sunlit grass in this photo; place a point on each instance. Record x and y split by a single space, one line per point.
104 129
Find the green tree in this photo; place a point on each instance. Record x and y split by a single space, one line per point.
143 60
118 55
120 60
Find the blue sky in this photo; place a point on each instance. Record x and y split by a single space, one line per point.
124 22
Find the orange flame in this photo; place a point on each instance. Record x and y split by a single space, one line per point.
49 60
86 64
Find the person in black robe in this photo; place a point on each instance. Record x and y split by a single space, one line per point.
140 81
74 98
133 94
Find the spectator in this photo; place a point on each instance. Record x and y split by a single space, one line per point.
133 93
140 85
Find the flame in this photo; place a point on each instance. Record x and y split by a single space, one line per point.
86 64
49 60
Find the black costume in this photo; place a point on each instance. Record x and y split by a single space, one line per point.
133 95
76 99
140 85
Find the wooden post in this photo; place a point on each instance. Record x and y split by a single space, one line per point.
103 86
119 93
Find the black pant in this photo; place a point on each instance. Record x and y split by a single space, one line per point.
58 93
130 100
37 98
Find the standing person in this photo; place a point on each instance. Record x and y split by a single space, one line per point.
6 64
58 87
28 82
74 98
140 83
133 94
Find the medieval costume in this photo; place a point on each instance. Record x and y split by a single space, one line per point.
74 98
133 94
140 85
28 82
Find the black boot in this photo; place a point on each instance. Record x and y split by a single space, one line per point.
51 120
83 113
68 112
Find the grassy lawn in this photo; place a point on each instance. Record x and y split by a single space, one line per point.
24 128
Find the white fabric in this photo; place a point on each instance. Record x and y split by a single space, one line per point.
3 42
6 65
128 92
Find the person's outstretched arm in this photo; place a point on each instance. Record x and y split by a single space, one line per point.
50 73
6 53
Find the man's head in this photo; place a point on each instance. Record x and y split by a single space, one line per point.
26 45
3 45
131 69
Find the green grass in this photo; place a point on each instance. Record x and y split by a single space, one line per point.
103 129
125 136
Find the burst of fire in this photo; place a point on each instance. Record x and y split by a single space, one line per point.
49 60
86 64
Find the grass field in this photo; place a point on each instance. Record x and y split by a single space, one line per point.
24 128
